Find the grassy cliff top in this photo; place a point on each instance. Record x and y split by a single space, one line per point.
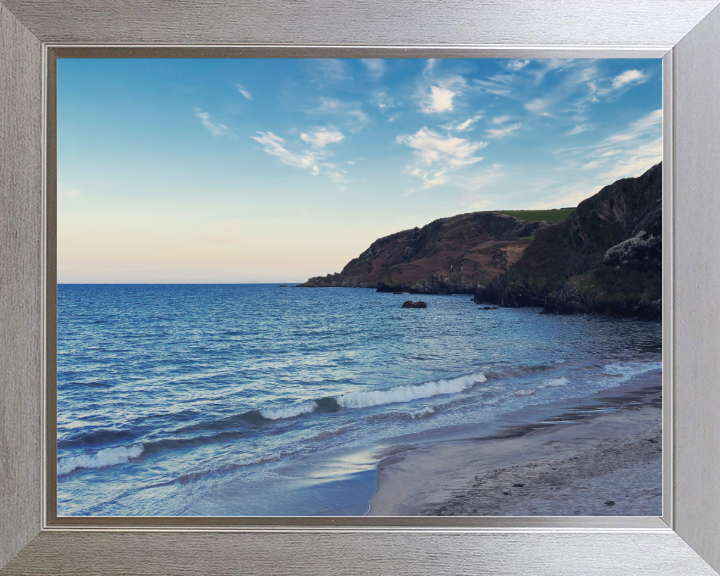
552 216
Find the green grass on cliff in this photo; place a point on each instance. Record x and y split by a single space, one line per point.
552 216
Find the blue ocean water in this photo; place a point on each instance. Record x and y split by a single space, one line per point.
262 400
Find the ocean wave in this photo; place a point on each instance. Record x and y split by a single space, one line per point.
424 413
102 459
549 383
555 382
409 392
630 370
96 437
288 411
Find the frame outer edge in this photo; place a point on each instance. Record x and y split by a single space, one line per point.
697 267
653 23
20 233
20 280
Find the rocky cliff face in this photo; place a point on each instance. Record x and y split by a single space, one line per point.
604 259
455 255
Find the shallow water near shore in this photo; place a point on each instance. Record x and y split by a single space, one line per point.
261 400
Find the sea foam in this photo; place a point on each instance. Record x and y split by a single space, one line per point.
288 411
107 457
409 392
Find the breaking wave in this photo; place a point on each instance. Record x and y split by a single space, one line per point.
107 457
288 411
410 392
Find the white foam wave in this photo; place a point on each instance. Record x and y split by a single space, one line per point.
288 411
625 372
530 392
555 382
424 412
107 457
409 392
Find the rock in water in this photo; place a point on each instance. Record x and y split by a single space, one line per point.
411 304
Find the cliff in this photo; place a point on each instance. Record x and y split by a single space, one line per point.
605 258
456 255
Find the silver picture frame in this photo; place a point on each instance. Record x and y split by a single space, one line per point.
685 33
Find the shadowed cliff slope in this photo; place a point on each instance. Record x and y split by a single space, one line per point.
604 259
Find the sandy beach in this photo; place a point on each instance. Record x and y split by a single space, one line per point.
598 457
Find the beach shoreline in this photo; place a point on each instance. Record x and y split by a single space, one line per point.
601 457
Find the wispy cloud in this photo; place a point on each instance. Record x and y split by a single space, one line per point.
329 70
275 146
502 132
243 91
384 101
462 126
536 105
578 128
312 159
216 129
322 137
627 77
516 65
375 67
626 153
436 155
350 114
500 119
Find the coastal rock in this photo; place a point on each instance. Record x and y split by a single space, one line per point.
508 291
641 250
411 304
569 300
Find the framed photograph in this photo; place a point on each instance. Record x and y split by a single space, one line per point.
92 486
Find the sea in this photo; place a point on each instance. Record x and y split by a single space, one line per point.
266 400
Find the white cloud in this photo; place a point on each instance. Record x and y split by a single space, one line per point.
243 91
516 65
500 119
502 132
322 137
213 128
438 100
312 159
578 128
275 146
462 126
536 105
375 67
627 77
436 155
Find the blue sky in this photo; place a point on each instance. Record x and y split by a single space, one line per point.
265 170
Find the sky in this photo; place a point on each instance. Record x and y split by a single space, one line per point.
277 170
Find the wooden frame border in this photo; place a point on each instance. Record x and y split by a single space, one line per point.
29 30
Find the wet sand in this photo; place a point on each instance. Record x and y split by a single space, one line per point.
601 457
